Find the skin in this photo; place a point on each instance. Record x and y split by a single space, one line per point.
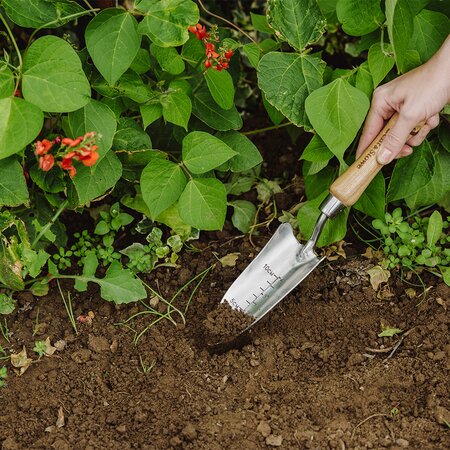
417 96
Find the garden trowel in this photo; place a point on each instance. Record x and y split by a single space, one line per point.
283 263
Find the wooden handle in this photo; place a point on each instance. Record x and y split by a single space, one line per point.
353 182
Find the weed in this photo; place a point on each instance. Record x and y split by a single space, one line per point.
416 246
68 307
40 347
146 369
4 330
3 376
36 323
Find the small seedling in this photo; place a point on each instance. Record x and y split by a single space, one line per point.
40 347
68 306
395 411
389 331
36 323
3 376
146 369
4 330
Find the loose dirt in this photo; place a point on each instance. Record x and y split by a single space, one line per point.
225 323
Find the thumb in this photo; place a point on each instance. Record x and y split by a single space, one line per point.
395 139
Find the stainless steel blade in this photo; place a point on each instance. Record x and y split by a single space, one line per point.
281 265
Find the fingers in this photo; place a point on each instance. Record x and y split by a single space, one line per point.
420 136
405 151
396 138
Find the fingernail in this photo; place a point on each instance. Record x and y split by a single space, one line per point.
385 156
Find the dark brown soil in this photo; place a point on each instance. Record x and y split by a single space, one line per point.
225 323
315 374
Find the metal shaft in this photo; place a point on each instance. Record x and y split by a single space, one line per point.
330 208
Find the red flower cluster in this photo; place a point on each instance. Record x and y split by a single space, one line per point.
218 61
81 149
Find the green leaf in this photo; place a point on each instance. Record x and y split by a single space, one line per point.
10 266
13 186
359 18
373 200
171 218
150 113
131 136
328 8
411 173
168 58
90 264
162 183
434 228
119 285
34 261
37 13
364 81
177 108
247 156
95 116
430 31
20 123
53 78
205 108
300 22
243 215
317 183
275 116
112 41
193 51
141 63
399 19
389 332
437 190
92 182
220 84
7 304
444 135
6 81
336 112
259 22
445 274
380 62
334 229
166 22
287 79
203 204
203 152
316 151
52 181
253 53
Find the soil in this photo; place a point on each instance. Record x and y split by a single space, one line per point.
224 323
313 374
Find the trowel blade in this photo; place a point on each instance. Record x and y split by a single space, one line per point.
281 265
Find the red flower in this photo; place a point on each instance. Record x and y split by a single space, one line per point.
210 51
199 31
17 93
72 172
46 162
90 159
66 163
208 63
72 142
42 147
228 54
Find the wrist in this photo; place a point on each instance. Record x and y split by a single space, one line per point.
440 65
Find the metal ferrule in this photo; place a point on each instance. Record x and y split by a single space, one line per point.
330 208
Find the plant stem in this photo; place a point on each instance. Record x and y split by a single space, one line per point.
16 48
69 17
226 21
49 224
262 130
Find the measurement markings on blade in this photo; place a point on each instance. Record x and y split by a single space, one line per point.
270 284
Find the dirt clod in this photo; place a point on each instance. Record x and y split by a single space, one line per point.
225 322
81 356
442 415
264 428
274 441
98 344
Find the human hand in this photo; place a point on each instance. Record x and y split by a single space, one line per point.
417 96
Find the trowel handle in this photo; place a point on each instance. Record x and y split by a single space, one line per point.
354 181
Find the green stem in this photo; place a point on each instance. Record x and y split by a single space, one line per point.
16 47
49 224
262 130
60 19
227 22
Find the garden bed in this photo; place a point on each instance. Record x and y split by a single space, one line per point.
313 374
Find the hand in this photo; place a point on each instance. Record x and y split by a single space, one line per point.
417 96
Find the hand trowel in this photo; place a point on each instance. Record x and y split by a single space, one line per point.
284 263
